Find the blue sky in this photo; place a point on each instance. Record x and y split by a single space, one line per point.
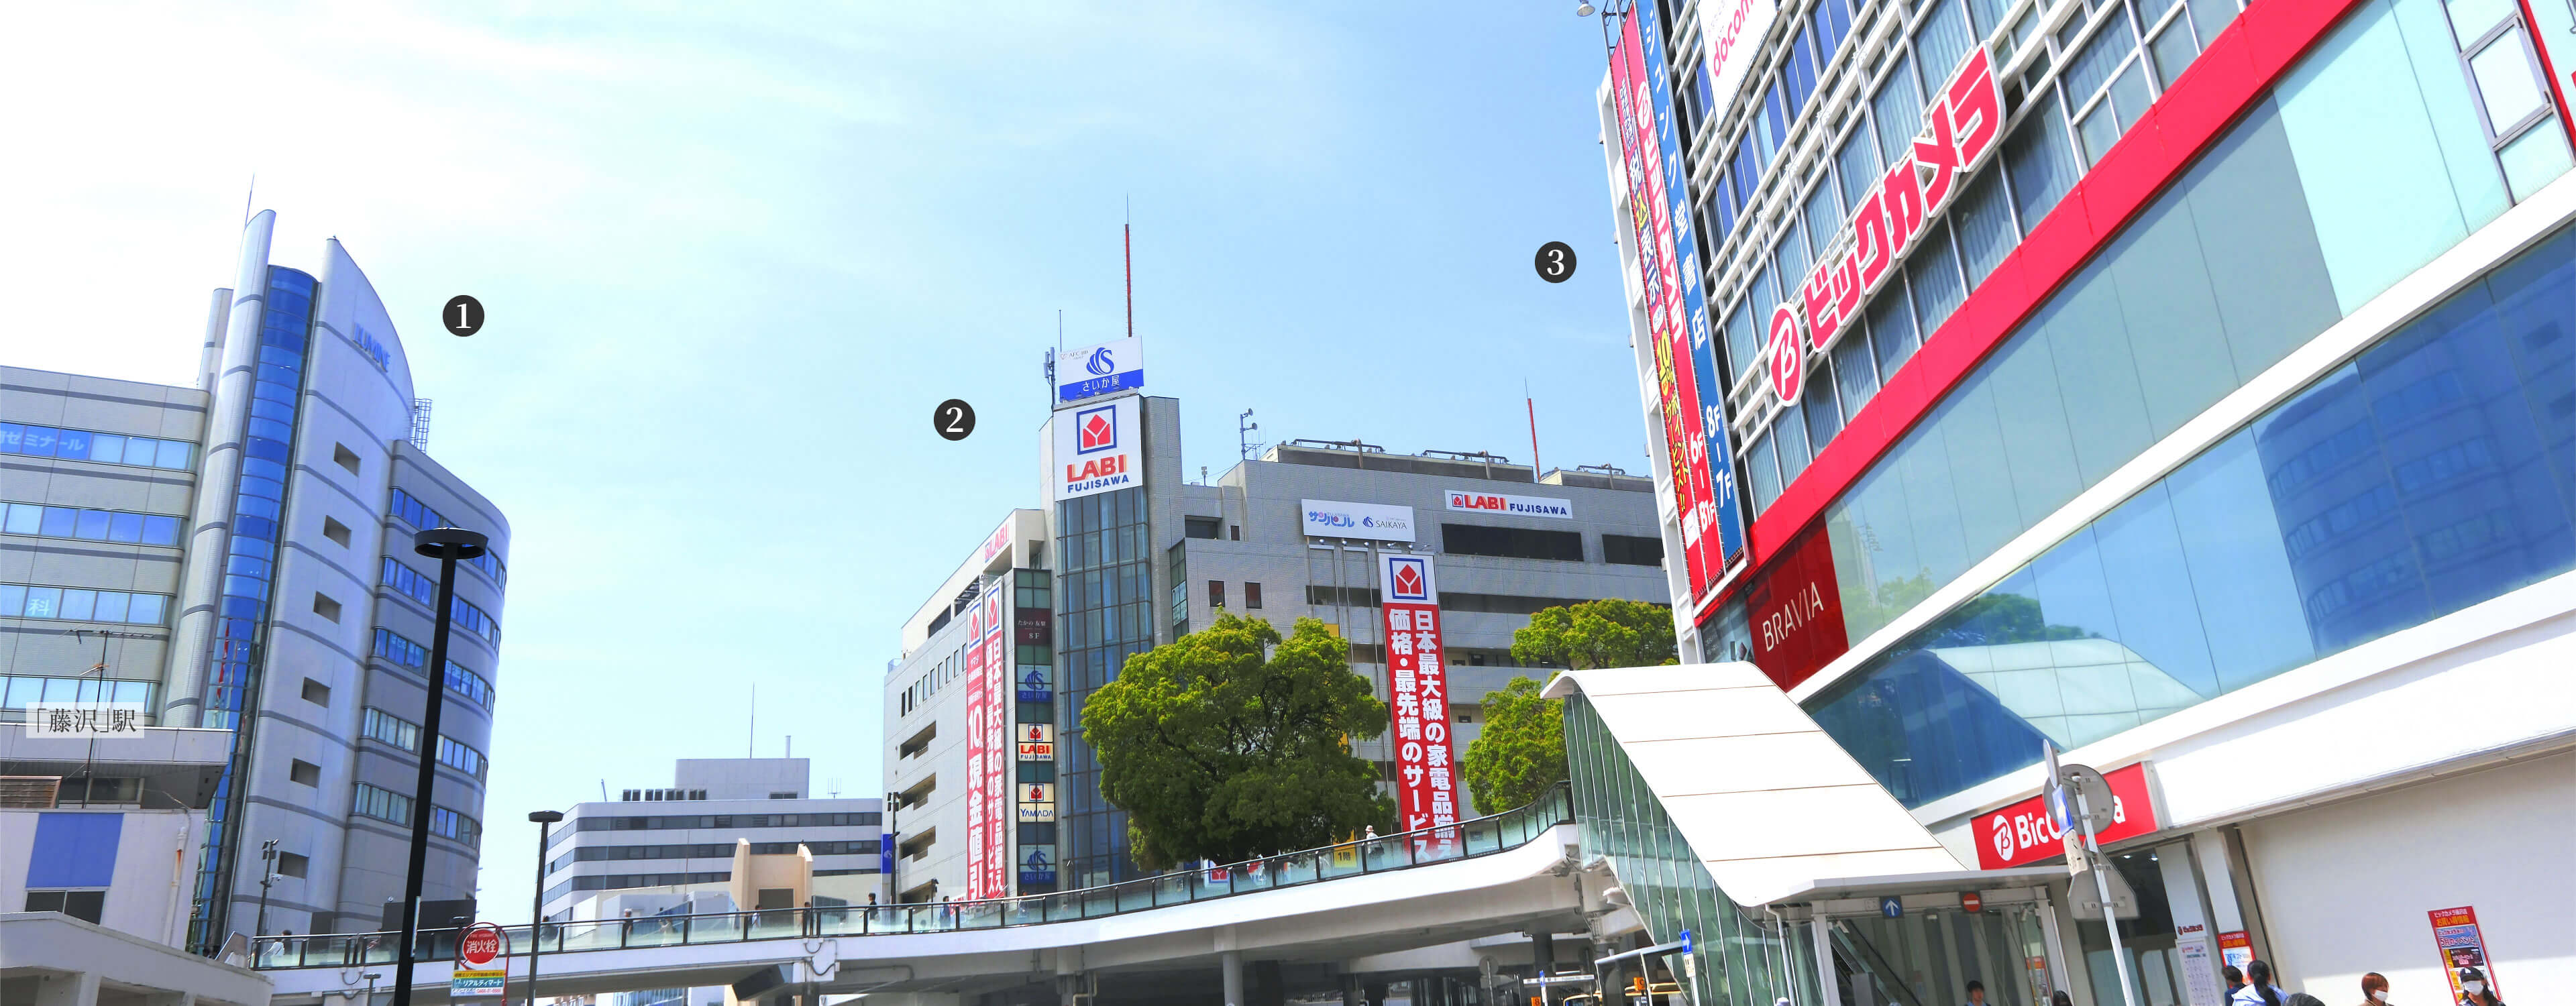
732 258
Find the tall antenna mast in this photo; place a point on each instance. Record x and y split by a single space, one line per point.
1127 239
247 196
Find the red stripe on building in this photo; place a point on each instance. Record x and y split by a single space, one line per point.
2229 77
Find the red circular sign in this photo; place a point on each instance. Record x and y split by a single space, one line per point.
1972 902
479 947
1788 356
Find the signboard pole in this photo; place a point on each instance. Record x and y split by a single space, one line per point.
2102 884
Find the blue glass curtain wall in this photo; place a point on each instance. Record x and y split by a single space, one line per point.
241 614
2435 471
1104 592
1742 960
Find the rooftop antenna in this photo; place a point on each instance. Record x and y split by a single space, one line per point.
246 197
1127 242
1243 429
1535 469
751 722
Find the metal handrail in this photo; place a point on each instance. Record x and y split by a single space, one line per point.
1482 836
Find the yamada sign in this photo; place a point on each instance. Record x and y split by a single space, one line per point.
2023 834
1962 123
1516 506
1097 449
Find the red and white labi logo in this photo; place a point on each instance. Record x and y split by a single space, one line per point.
1472 501
1095 430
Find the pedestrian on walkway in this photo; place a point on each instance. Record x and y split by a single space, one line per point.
1976 993
2258 990
2060 998
2235 980
2374 989
2474 990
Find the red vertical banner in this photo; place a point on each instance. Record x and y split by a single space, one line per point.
1426 789
979 713
1667 322
998 748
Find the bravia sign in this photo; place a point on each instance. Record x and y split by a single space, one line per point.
2024 833
1516 506
1962 123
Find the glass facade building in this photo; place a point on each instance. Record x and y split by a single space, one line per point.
1105 613
2435 471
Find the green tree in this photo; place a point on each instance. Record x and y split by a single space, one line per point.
1520 752
1608 633
1232 742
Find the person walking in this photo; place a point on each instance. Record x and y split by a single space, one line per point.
2060 998
1976 993
2258 990
2374 989
2474 990
2235 980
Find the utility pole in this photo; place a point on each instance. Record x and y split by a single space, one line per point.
267 875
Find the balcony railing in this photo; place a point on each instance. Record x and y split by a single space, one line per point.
1483 836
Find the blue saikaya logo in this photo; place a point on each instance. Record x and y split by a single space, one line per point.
1100 363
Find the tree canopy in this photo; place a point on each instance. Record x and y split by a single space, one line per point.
1519 752
1231 743
1606 633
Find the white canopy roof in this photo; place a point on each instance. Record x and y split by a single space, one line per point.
1762 794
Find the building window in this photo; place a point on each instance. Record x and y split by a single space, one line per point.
336 531
394 647
1251 596
104 448
316 692
89 525
326 607
292 865
382 804
1216 594
1631 550
18 600
1511 542
82 905
410 510
344 457
1200 527
304 772
377 724
424 589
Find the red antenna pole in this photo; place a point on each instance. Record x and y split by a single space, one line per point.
1535 470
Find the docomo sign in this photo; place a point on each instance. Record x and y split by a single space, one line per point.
1961 126
2024 833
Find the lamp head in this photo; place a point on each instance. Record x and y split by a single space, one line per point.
1583 9
437 542
545 816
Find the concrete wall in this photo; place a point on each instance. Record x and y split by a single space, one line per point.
156 858
2497 840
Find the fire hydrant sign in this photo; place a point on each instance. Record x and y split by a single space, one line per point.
479 971
1426 794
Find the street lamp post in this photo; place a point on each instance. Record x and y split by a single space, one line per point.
545 820
267 875
448 545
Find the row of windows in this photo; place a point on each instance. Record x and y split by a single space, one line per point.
258 503
396 808
665 822
1105 586
405 734
2216 577
395 647
425 590
710 850
107 448
90 524
410 510
80 605
18 691
1450 600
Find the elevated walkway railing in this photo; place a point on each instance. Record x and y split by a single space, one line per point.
1425 847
